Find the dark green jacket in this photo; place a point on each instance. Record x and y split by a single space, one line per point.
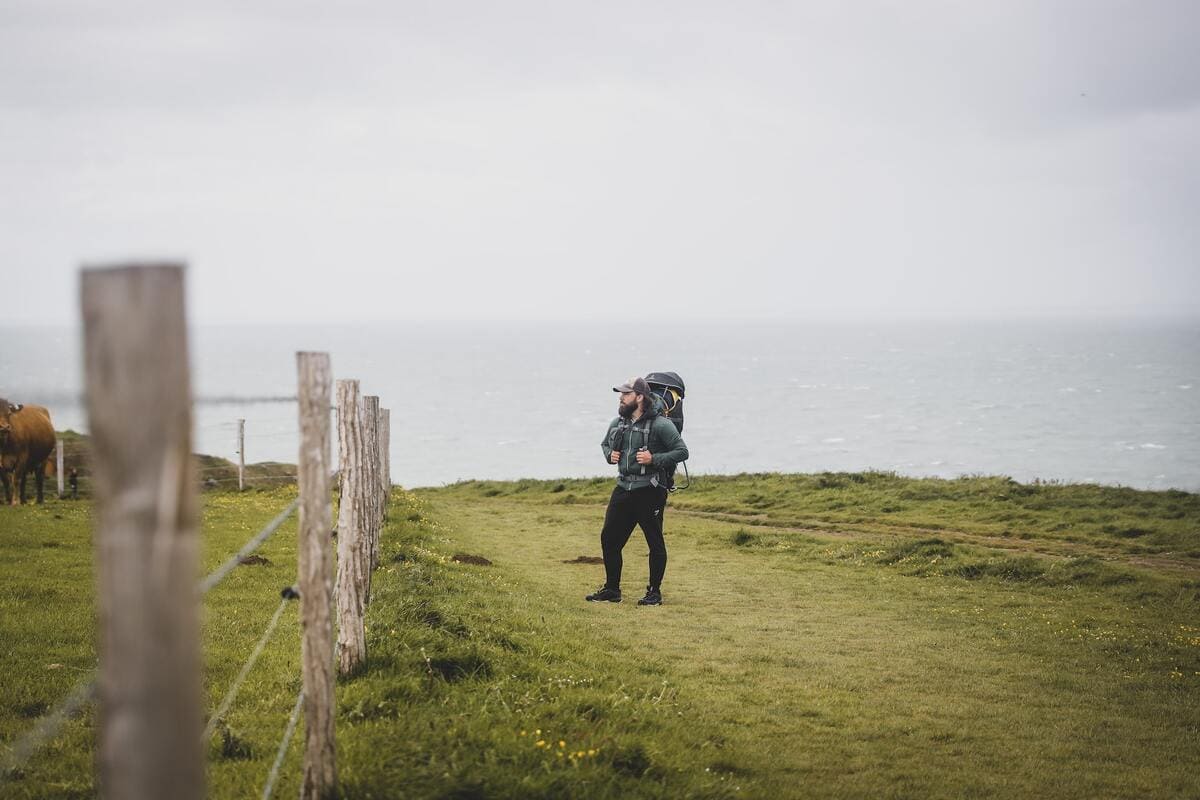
656 433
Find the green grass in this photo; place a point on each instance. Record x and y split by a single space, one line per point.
799 653
1049 517
47 627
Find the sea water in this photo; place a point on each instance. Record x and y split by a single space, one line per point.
1111 402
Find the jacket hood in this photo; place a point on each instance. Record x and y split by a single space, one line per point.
657 406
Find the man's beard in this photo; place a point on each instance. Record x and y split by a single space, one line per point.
626 409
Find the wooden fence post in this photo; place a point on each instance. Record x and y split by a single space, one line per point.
58 463
385 438
351 560
379 465
316 647
139 414
370 417
241 454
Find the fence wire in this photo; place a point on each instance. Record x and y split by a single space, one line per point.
220 572
283 748
49 726
46 728
231 695
248 480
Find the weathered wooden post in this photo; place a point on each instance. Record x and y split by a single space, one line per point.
351 561
58 464
385 446
370 427
139 414
241 454
316 647
383 480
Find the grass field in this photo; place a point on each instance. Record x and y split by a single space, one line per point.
833 635
47 630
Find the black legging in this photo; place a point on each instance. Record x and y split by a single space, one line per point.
626 508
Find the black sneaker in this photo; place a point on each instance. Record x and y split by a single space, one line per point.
653 597
604 594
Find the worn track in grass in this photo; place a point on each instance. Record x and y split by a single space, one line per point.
1041 547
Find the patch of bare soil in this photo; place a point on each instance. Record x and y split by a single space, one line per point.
465 558
585 560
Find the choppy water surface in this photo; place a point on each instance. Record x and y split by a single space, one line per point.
1106 402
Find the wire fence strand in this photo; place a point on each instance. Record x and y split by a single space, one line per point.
231 695
46 728
249 479
51 723
291 430
220 572
283 748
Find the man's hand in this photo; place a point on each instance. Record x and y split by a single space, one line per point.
614 456
644 457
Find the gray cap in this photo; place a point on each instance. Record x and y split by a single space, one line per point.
638 385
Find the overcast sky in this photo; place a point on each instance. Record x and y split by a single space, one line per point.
637 161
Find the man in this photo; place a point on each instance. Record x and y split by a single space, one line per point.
644 446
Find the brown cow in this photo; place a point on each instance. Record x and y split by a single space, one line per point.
26 442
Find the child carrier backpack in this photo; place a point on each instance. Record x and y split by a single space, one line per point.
668 386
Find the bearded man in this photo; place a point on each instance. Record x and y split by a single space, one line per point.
644 446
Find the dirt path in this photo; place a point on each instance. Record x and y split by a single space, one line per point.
1049 548
1046 548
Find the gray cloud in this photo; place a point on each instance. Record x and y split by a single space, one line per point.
519 160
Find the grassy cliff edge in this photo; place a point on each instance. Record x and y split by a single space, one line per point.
840 634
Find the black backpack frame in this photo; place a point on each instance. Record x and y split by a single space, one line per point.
668 387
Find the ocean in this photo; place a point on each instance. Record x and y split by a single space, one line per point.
1110 402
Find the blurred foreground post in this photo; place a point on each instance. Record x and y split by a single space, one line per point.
316 646
139 414
351 545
